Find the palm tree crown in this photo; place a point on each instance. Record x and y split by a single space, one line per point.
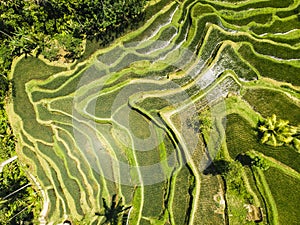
276 132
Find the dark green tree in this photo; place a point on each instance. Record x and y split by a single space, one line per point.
19 202
260 163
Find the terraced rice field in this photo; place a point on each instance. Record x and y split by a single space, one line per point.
118 122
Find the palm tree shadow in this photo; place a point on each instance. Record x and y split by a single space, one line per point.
113 212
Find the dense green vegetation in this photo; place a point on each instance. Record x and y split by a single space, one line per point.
7 139
24 205
57 28
171 124
243 144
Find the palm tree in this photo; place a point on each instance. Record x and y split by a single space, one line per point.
296 143
22 42
276 132
112 214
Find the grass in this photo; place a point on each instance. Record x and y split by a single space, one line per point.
154 8
170 151
254 4
160 72
67 89
101 106
184 14
55 83
196 40
153 103
59 192
67 185
154 200
237 212
288 12
278 26
152 47
44 179
268 102
65 104
200 9
145 222
140 127
182 198
54 205
291 38
213 34
106 132
119 78
241 137
209 210
25 141
23 70
43 114
77 165
230 60
285 190
251 181
33 128
71 166
127 192
112 56
160 20
91 47
93 73
84 166
270 68
275 49
263 47
168 33
126 61
148 157
184 29
258 18
21 75
262 185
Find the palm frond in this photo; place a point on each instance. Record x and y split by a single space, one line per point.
263 128
273 140
265 137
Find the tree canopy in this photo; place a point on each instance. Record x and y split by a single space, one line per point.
50 25
278 132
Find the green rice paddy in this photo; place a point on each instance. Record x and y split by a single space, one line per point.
118 122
